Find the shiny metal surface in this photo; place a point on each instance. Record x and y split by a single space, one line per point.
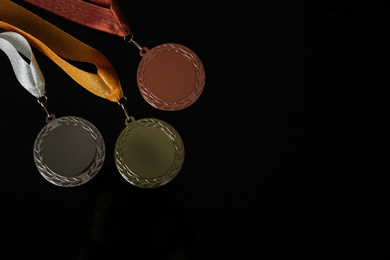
69 151
170 77
149 153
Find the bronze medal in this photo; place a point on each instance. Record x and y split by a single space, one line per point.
170 76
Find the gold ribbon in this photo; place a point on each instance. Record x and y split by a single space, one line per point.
55 43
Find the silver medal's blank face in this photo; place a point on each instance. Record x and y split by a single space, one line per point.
149 153
69 151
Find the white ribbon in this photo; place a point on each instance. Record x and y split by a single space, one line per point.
28 74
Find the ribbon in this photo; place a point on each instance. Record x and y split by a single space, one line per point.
28 74
57 44
102 15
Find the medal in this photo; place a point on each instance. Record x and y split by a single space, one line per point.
148 153
68 151
170 76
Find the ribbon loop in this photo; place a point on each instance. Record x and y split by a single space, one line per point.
102 15
58 45
28 74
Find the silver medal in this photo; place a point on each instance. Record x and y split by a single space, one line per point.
69 151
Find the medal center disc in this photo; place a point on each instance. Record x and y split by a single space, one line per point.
69 150
149 152
170 76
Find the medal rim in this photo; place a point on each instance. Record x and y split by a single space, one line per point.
159 103
82 177
133 177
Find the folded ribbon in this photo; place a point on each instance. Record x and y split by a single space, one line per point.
102 15
53 42
28 74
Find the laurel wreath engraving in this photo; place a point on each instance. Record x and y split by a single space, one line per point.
84 176
154 100
132 177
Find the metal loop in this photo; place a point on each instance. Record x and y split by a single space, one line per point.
42 101
131 40
126 38
122 102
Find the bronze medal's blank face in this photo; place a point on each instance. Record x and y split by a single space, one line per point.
149 152
170 76
69 150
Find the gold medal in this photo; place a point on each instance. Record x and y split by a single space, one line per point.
149 152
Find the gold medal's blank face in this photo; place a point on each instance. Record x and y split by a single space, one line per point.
149 152
69 150
170 76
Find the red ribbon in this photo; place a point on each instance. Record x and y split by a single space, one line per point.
102 15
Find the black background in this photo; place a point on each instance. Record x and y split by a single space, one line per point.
285 155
